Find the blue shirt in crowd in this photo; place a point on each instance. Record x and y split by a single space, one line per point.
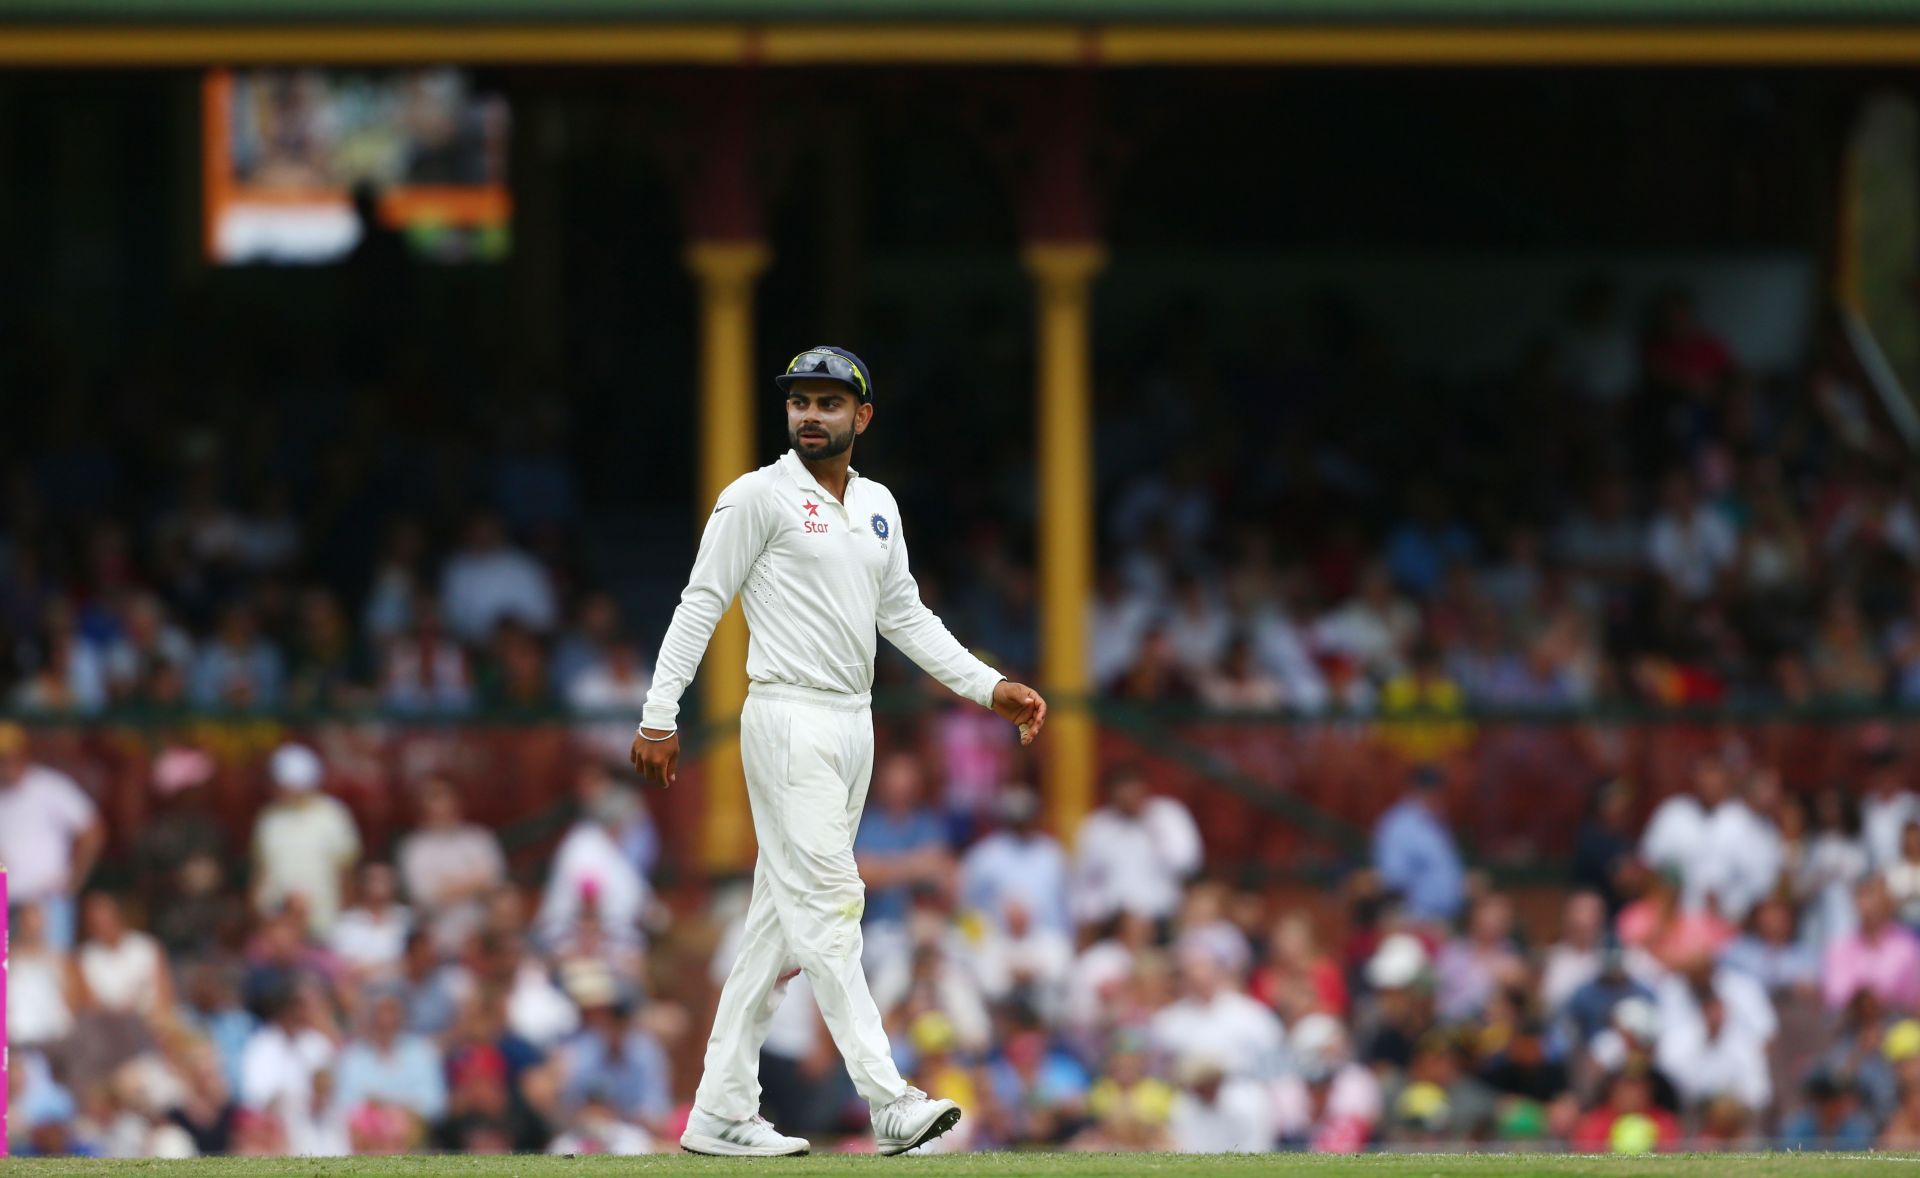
1415 855
409 1075
885 833
633 1079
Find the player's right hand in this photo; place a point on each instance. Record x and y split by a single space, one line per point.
657 760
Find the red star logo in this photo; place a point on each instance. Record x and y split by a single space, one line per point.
812 507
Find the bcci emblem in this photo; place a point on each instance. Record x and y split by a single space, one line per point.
879 523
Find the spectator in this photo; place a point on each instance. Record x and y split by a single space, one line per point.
1129 1106
1297 978
183 857
449 865
1214 1019
1724 851
1214 1113
1831 867
1690 544
371 937
1846 667
1628 1121
425 670
281 1069
1414 853
124 969
1197 626
1903 877
1329 1103
240 668
1038 1090
615 1060
1881 957
593 876
1681 355
488 581
1376 629
1772 955
597 1129
1425 702
1023 964
1470 968
1715 1056
1419 550
50 835
304 843
1133 854
432 990
389 1068
212 1011
326 669
1155 674
44 987
1887 806
1116 622
1436 1100
1831 1118
1018 862
1604 849
1236 683
1591 1009
1577 957
614 684
147 644
902 843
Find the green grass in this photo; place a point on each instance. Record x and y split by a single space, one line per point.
1004 1165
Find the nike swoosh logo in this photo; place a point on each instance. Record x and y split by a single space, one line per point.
721 508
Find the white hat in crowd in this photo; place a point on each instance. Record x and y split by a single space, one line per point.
1398 962
297 768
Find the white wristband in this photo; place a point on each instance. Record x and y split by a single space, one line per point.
641 733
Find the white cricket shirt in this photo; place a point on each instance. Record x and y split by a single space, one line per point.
817 578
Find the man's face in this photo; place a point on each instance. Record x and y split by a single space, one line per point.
823 417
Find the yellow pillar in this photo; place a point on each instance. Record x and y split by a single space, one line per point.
1063 279
725 272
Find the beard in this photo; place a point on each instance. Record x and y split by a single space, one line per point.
815 448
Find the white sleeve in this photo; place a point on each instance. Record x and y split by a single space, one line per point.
906 622
735 536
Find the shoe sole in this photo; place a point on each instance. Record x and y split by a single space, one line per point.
714 1147
940 1126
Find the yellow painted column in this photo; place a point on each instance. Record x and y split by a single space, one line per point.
1063 274
725 272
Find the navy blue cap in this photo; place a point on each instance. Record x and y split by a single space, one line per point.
828 363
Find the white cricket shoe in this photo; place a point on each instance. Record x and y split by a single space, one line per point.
912 1121
751 1138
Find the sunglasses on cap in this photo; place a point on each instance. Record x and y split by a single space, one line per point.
825 364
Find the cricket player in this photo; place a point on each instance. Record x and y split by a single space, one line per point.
818 558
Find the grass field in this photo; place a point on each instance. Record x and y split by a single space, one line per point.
1003 1165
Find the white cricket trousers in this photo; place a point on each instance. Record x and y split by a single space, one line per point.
808 757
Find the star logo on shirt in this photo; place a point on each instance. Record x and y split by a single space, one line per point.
812 507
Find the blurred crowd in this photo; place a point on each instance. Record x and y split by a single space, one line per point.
1741 968
1629 515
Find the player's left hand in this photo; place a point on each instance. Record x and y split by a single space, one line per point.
657 760
1022 705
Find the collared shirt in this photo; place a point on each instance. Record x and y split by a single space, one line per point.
1413 852
1134 864
1888 964
41 816
816 576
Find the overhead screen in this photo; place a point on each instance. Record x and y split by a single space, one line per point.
287 152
